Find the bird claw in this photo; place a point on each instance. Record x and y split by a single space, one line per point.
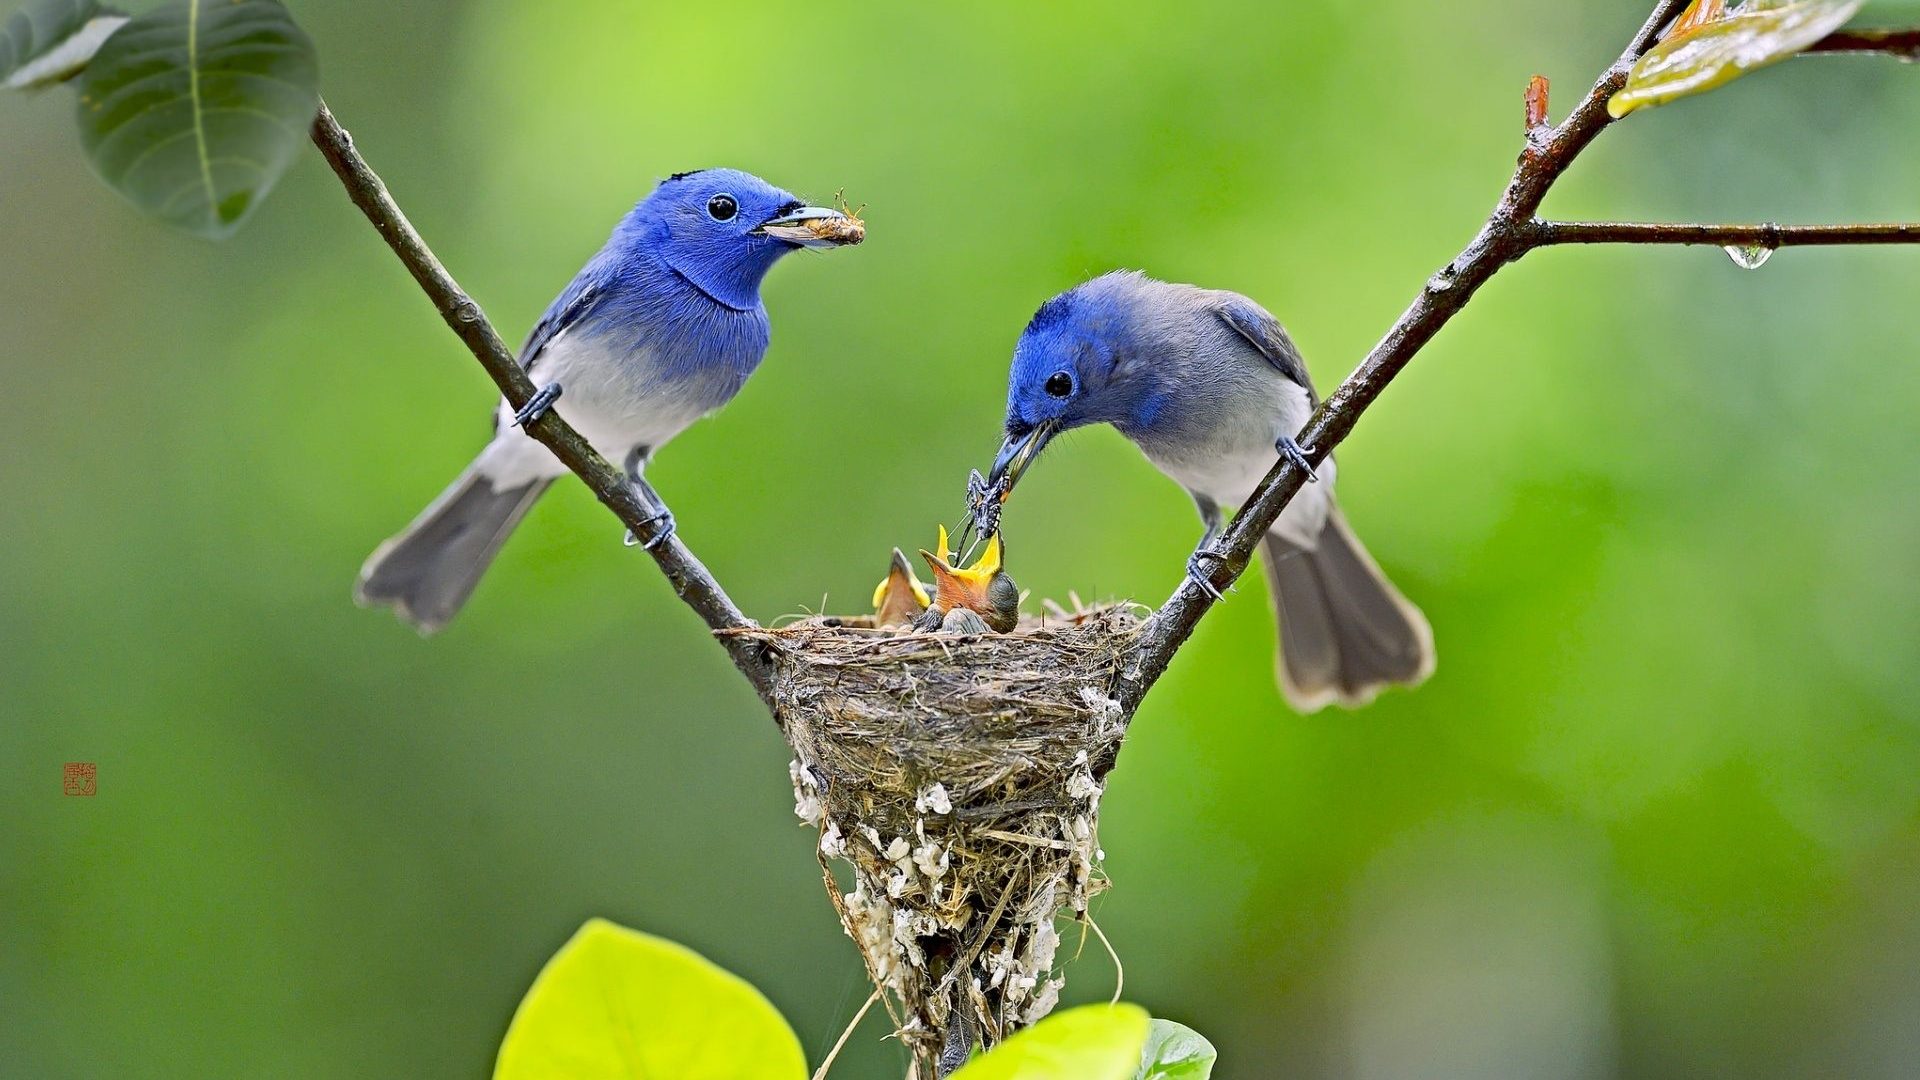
1294 452
665 534
1197 569
537 405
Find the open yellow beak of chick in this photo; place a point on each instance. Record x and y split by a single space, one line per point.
965 600
900 598
983 588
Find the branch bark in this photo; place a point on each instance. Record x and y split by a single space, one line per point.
1509 233
690 579
1770 236
1904 44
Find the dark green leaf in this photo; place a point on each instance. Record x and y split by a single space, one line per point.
193 110
1175 1052
50 40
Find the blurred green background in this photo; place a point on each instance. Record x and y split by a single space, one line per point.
1658 814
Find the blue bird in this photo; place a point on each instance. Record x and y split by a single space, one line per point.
660 328
1210 388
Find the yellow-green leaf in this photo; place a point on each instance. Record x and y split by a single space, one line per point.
616 1003
1714 52
1093 1042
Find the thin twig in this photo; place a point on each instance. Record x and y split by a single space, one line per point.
690 580
1904 44
821 1072
1508 234
1546 233
1119 969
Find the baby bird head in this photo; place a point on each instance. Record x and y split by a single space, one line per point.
900 598
723 229
983 588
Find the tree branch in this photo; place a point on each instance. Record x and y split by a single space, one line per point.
1511 232
690 580
1904 44
1547 233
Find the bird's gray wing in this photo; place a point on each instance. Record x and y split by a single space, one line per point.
1266 335
580 296
566 310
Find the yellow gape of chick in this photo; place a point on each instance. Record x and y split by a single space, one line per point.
974 600
900 598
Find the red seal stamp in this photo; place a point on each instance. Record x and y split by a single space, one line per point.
80 778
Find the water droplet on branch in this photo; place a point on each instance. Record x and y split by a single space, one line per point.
1749 256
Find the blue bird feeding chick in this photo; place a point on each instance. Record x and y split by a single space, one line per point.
660 328
1209 386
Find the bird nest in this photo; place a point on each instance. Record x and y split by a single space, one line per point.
960 777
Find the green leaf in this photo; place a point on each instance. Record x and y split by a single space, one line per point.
50 40
616 1003
193 110
1092 1042
1698 58
1175 1052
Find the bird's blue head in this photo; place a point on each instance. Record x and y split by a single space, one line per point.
723 229
1076 364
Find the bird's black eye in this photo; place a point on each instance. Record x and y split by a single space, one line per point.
1059 384
722 207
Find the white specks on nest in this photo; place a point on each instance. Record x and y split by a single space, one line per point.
807 804
1105 709
1080 783
958 780
933 800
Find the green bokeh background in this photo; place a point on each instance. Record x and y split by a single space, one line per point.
1658 814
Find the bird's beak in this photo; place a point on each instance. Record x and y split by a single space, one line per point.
900 595
1019 451
1016 453
955 587
815 227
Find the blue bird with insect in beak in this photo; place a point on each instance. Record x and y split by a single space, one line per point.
660 328
1210 388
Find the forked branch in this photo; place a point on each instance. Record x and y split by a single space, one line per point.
1513 230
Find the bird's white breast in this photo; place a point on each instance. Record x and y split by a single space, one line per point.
616 400
1228 463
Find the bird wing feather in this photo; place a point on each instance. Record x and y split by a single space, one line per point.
567 309
1267 336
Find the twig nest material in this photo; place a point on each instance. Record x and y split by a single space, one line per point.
960 777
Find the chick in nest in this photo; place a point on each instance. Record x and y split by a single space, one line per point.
900 598
971 600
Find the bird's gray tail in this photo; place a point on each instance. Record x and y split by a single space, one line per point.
1345 632
427 572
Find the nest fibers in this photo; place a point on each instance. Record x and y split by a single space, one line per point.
960 777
